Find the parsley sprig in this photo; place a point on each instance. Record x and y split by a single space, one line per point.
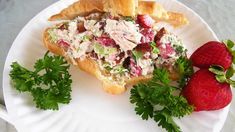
49 83
156 99
185 69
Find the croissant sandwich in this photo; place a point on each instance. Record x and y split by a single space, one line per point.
116 40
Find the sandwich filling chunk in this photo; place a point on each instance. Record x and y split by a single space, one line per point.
123 47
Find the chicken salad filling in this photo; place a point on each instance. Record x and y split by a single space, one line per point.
124 47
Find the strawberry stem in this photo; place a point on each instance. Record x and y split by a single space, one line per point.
216 69
230 72
231 82
221 75
221 78
230 45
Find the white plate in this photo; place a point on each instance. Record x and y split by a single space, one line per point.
91 109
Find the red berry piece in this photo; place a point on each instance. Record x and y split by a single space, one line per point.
148 35
145 21
106 41
166 50
62 43
145 47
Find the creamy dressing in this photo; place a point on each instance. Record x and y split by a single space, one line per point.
146 65
93 26
125 34
61 34
81 50
72 29
170 38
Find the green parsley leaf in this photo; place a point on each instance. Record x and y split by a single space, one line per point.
166 121
22 77
137 54
49 83
107 66
128 18
155 50
143 107
156 99
161 75
185 69
179 49
85 38
119 70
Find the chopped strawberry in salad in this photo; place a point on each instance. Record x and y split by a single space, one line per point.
124 47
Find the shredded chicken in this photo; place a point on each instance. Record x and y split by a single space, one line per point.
124 33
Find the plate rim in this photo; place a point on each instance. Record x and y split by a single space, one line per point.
4 73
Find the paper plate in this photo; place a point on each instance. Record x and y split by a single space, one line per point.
91 109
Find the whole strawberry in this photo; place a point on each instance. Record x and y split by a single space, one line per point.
212 53
204 92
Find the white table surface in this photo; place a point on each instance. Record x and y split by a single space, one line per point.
14 14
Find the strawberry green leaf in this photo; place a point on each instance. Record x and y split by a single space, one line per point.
233 60
229 72
229 43
221 78
233 53
231 82
218 70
